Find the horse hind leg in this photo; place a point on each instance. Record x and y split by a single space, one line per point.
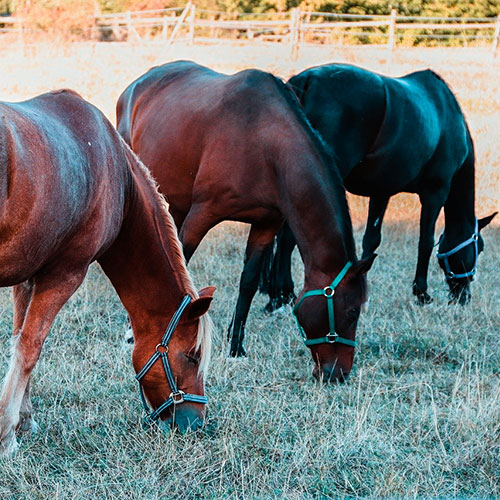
50 292
22 296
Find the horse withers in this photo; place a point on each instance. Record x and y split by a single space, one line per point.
239 148
72 192
393 135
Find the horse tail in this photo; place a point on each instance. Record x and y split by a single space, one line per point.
276 279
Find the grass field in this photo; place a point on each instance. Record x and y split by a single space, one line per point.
420 414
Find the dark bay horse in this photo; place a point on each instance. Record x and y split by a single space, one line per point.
239 148
71 192
393 135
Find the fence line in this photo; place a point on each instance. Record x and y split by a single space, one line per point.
295 27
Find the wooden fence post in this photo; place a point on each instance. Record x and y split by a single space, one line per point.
191 24
294 33
128 20
496 38
21 37
131 31
164 28
392 30
178 25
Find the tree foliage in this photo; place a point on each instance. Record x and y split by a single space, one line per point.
74 10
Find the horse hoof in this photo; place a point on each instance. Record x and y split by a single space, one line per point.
463 299
423 299
274 307
238 352
270 308
9 445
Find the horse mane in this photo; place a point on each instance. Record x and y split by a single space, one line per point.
177 261
328 157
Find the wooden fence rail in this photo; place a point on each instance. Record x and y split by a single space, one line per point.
294 27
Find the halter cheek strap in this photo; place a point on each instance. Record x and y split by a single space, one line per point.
161 352
444 256
328 292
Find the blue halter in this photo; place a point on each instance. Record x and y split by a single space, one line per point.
328 292
161 352
444 256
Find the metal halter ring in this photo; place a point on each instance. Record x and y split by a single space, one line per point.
331 337
328 291
163 347
179 394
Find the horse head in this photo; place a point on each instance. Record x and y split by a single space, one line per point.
170 369
327 319
460 262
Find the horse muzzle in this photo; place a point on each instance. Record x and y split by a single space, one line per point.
330 374
459 291
184 418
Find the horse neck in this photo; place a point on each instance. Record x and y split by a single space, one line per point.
459 213
316 209
145 263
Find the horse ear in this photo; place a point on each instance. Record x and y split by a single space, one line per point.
482 223
199 306
364 265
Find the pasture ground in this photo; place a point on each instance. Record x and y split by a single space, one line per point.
420 414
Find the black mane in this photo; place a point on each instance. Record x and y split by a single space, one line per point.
328 157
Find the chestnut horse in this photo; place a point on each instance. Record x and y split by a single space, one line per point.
73 192
392 135
239 148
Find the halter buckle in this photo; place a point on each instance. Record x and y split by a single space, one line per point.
475 236
328 291
331 337
177 397
161 349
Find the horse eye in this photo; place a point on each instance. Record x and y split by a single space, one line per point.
192 359
354 313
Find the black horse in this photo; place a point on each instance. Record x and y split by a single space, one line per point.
393 135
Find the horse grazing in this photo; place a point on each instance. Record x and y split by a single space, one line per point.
239 148
392 135
73 192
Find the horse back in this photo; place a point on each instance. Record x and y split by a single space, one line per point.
200 131
346 105
63 179
423 137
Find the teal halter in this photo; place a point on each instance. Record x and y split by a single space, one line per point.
327 292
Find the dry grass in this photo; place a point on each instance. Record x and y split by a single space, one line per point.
419 416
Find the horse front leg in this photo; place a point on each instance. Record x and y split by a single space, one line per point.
259 239
373 231
281 287
50 292
431 206
194 228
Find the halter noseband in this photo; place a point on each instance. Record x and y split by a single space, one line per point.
444 256
161 352
328 292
